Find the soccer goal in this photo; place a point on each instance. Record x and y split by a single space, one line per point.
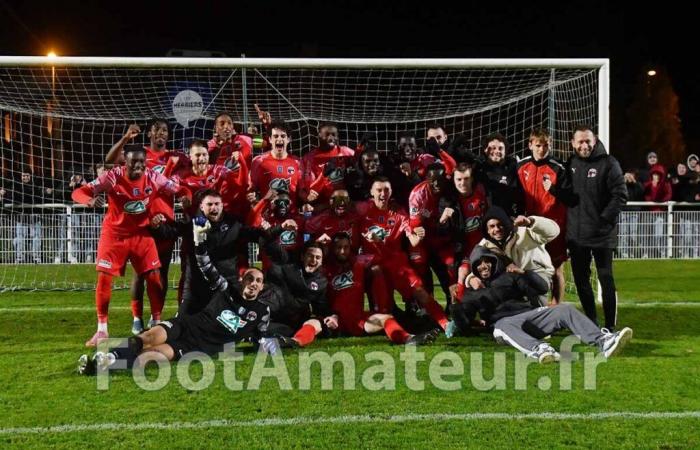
61 115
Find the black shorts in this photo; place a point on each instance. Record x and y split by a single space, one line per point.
184 339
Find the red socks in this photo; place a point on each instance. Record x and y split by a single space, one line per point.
103 294
395 332
155 293
137 308
436 312
305 335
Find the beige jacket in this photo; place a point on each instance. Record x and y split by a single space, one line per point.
526 246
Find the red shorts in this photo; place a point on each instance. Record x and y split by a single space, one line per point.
114 252
557 250
400 275
353 324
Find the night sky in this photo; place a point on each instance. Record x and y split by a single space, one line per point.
634 37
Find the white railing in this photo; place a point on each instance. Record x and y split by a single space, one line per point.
59 234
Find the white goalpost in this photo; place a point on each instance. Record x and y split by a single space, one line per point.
61 115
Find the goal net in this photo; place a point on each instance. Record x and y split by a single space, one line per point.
61 116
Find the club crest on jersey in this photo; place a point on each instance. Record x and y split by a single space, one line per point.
148 190
342 281
135 207
136 192
231 321
504 180
592 173
288 237
280 184
252 315
211 179
313 286
391 222
290 170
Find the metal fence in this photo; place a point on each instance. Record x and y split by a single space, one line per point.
60 234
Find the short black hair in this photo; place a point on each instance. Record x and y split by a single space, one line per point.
280 125
495 137
341 235
406 135
223 113
134 148
312 244
582 127
435 126
326 124
199 196
158 120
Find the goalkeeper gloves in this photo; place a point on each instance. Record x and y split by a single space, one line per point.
200 227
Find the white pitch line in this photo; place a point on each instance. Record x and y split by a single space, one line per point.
304 421
118 308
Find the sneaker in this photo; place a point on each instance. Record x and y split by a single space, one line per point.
545 354
96 338
287 342
451 329
612 343
137 327
152 323
416 310
422 338
86 365
270 346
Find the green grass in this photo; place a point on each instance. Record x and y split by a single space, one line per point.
659 371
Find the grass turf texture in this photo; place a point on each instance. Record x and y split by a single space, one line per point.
658 371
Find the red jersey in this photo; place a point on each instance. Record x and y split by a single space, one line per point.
281 174
327 222
390 224
538 201
213 178
346 291
423 208
157 161
315 161
473 208
239 143
128 200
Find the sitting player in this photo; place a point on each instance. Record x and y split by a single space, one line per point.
346 274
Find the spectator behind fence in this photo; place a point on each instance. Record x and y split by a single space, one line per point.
61 222
629 217
657 190
687 229
652 163
693 165
22 194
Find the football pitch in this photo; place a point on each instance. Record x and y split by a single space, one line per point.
647 397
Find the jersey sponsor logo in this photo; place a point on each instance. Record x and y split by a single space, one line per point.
378 231
592 173
135 207
288 237
155 262
104 263
280 184
159 169
313 286
336 175
231 321
342 281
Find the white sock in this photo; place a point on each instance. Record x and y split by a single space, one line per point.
102 326
137 319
